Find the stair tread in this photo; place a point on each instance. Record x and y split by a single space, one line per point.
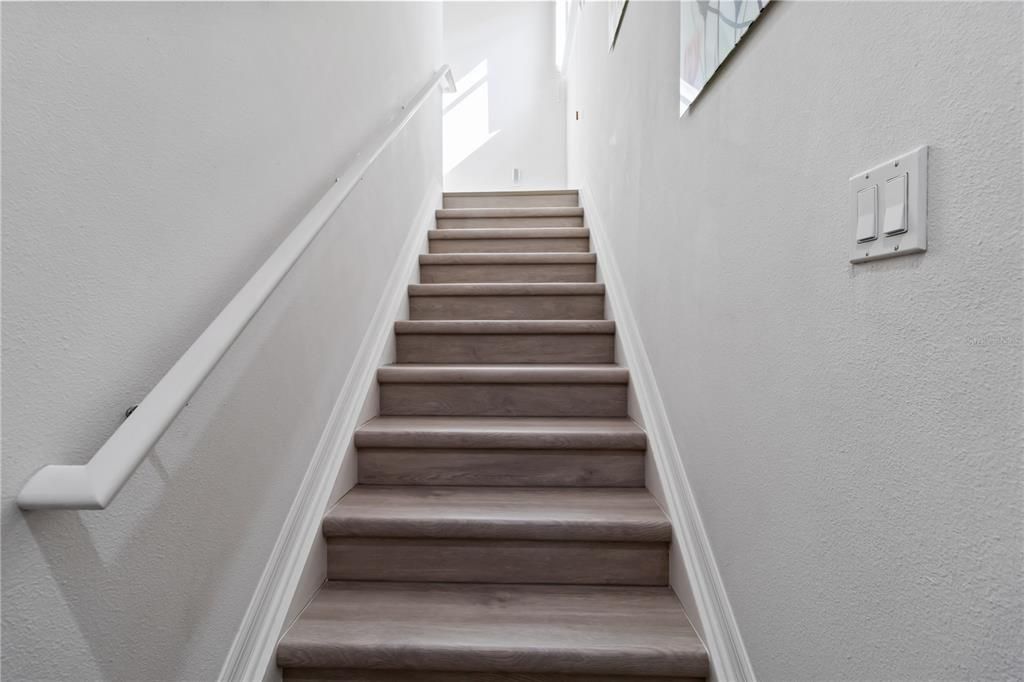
556 257
597 433
491 628
511 193
508 289
523 212
505 327
504 373
507 513
511 233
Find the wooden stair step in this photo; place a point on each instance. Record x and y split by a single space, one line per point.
503 374
471 560
508 289
514 198
607 536
509 233
550 301
510 240
564 629
505 258
571 514
353 675
515 327
438 268
510 212
528 433
501 467
504 390
505 341
518 218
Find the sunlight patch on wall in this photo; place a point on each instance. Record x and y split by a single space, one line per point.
466 124
561 8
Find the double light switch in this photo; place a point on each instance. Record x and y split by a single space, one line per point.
890 208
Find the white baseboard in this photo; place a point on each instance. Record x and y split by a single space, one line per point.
253 649
729 660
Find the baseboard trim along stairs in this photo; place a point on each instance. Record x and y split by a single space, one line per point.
500 528
252 652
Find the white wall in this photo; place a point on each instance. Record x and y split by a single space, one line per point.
513 117
853 435
153 155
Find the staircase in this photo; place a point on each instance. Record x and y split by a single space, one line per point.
500 528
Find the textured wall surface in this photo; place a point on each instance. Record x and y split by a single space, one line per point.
514 118
153 156
853 434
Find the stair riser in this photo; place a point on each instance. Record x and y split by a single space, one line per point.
476 467
539 221
503 400
499 440
513 201
511 348
538 245
496 561
553 272
541 307
351 675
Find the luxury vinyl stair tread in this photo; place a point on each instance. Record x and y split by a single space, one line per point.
525 212
509 289
492 628
505 513
507 258
510 192
528 433
512 199
505 327
504 374
511 233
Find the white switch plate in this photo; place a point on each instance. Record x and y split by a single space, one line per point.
915 240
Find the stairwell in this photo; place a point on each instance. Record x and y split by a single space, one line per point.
500 528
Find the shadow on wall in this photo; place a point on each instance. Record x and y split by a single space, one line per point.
158 583
467 119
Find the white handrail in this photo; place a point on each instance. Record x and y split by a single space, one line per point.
94 485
